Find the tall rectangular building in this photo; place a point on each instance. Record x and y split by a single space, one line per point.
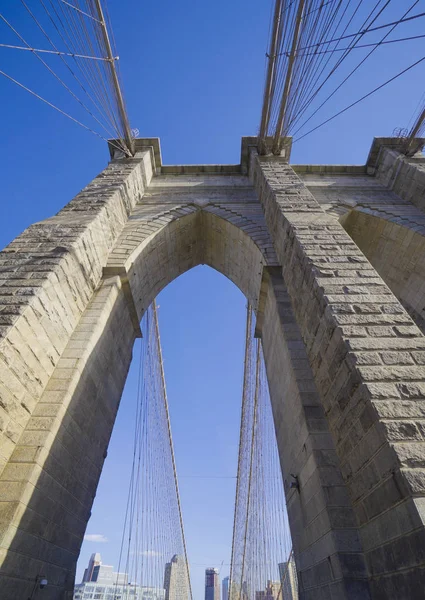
176 579
98 572
225 589
289 580
94 562
212 584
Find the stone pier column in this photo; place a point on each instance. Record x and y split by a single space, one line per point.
66 337
49 484
367 357
325 535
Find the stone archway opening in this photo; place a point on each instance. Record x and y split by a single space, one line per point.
205 383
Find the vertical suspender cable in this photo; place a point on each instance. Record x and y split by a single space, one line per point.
260 531
254 424
170 439
244 407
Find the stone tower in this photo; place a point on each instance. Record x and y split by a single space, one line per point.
332 259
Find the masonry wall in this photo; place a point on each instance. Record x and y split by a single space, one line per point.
367 359
48 275
404 176
182 221
387 226
396 248
57 401
326 542
345 364
49 484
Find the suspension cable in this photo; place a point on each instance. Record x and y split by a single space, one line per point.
261 539
21 85
376 89
57 52
170 439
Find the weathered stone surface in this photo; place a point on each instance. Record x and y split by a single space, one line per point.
360 353
47 277
345 363
384 214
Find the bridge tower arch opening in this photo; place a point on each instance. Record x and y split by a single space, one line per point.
347 406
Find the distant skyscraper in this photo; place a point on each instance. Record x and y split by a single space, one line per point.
288 577
176 581
99 573
225 589
94 561
212 584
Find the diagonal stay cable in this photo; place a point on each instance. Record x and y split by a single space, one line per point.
339 62
82 68
335 28
314 86
79 10
379 87
21 85
73 28
56 52
405 39
364 31
55 75
107 59
308 82
354 70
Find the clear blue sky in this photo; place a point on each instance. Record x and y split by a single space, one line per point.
193 76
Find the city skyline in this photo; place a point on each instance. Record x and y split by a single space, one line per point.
101 579
176 582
